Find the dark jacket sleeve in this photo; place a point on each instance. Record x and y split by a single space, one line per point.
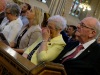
65 36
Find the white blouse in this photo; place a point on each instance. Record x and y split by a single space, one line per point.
11 30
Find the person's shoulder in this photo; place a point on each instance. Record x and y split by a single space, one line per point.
96 49
98 45
2 13
35 28
95 46
58 40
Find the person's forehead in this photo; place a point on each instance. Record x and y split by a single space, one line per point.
24 5
70 27
89 21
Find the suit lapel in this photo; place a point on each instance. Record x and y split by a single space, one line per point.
88 50
67 48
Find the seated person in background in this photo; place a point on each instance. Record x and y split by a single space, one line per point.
4 22
66 37
2 14
83 58
52 43
71 29
30 33
15 24
2 8
70 35
25 7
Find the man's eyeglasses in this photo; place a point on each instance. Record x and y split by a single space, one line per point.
83 25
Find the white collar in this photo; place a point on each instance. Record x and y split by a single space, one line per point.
85 45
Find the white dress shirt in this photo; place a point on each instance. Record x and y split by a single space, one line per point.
85 45
25 21
11 30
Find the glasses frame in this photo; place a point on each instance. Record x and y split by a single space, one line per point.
83 25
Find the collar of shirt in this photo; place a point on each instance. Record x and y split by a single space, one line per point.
85 45
1 12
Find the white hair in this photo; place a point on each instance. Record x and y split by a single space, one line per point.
59 21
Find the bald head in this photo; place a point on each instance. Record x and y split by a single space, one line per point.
92 23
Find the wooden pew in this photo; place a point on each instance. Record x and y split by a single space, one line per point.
12 63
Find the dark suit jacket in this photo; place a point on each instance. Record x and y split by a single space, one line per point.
70 45
2 15
87 63
66 38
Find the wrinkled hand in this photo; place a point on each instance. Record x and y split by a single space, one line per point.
45 33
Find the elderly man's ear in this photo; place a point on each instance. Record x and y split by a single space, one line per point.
93 34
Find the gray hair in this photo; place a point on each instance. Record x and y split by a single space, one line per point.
59 21
14 9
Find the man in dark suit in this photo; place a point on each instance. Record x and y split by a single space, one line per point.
87 60
70 35
2 8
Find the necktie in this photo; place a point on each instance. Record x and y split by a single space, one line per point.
73 54
31 53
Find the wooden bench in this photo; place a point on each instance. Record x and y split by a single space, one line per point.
12 63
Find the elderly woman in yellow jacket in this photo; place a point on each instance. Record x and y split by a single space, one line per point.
51 44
